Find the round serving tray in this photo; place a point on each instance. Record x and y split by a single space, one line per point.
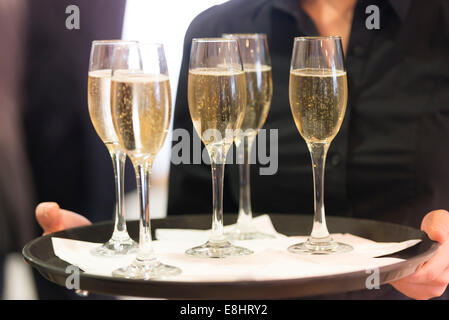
39 253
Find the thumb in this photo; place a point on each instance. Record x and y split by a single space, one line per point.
52 218
436 225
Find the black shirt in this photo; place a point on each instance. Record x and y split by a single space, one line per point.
390 159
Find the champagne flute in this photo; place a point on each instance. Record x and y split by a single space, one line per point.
318 94
217 102
99 84
141 111
259 90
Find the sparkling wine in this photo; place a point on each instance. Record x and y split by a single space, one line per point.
141 111
98 95
318 102
259 88
217 102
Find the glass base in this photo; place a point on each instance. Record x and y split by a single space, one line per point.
147 270
248 235
114 248
315 247
219 250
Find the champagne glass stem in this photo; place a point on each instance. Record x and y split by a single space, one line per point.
318 153
245 228
217 246
118 163
245 211
146 265
217 168
143 173
120 242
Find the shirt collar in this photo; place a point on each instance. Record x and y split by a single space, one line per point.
401 7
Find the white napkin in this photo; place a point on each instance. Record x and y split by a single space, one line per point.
270 260
261 223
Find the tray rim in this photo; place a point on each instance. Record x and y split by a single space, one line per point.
400 268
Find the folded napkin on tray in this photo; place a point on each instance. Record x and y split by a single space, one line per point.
270 260
261 223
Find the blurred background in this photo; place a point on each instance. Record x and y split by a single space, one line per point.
48 147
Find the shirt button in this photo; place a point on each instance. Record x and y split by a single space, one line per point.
335 160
